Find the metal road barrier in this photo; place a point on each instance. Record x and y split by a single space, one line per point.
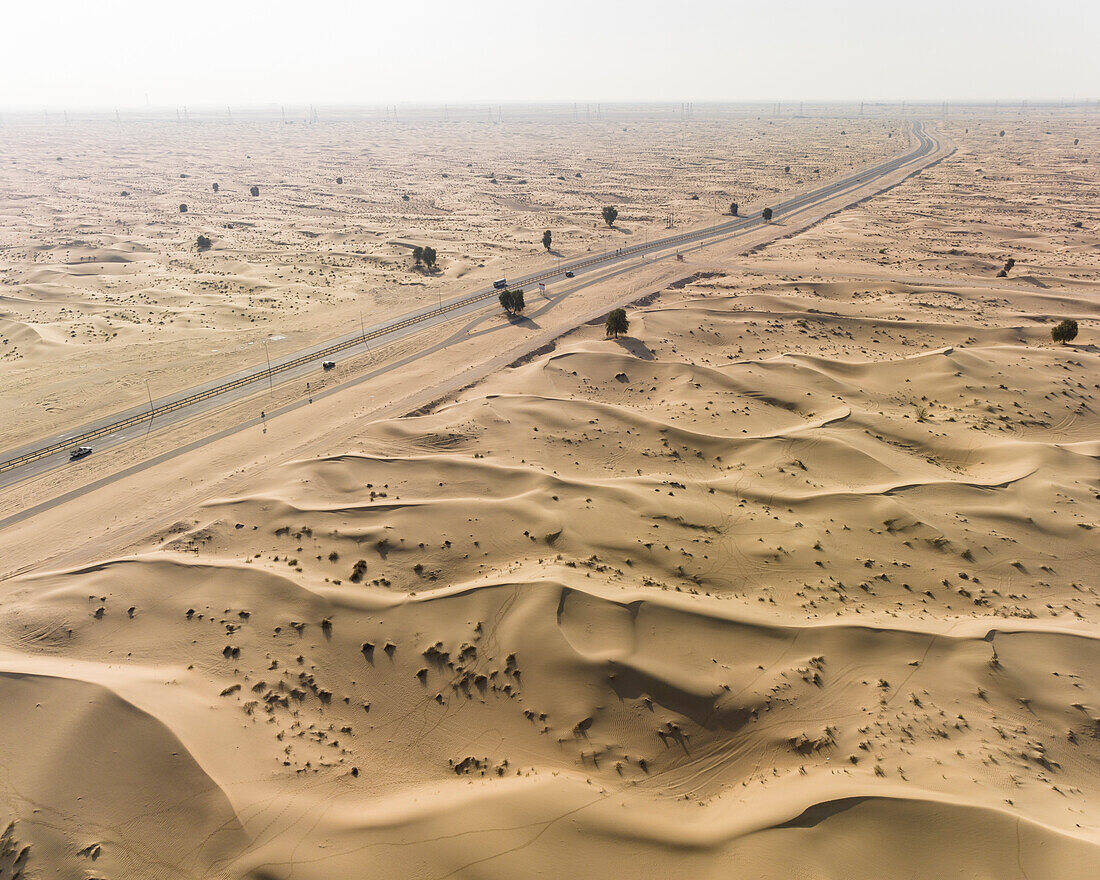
924 147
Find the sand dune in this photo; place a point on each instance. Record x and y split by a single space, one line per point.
798 579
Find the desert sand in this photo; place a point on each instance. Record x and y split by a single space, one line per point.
798 578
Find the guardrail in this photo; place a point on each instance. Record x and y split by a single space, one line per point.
923 148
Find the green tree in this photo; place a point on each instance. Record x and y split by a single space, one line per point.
512 301
767 215
733 209
610 213
1064 332
428 254
617 324
546 238
418 255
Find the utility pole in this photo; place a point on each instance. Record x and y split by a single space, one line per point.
270 389
363 330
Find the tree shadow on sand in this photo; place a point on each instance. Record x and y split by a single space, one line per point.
635 347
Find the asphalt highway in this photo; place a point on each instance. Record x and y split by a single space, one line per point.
47 454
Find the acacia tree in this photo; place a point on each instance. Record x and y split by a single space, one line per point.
546 238
610 213
1064 332
617 324
733 209
767 215
418 255
428 255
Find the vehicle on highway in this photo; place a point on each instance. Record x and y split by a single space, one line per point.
79 452
328 365
501 284
568 274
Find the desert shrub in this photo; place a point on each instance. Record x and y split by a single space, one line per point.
203 243
357 571
1064 332
215 187
733 209
183 208
767 215
255 190
339 180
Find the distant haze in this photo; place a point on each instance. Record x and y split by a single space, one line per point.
68 54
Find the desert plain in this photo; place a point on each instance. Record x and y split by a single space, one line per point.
795 579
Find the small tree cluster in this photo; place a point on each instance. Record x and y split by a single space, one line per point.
512 301
425 256
610 214
1064 332
617 324
1009 263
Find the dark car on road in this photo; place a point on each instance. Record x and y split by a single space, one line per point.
568 274
328 365
79 452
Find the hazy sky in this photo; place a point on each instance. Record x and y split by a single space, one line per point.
77 53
